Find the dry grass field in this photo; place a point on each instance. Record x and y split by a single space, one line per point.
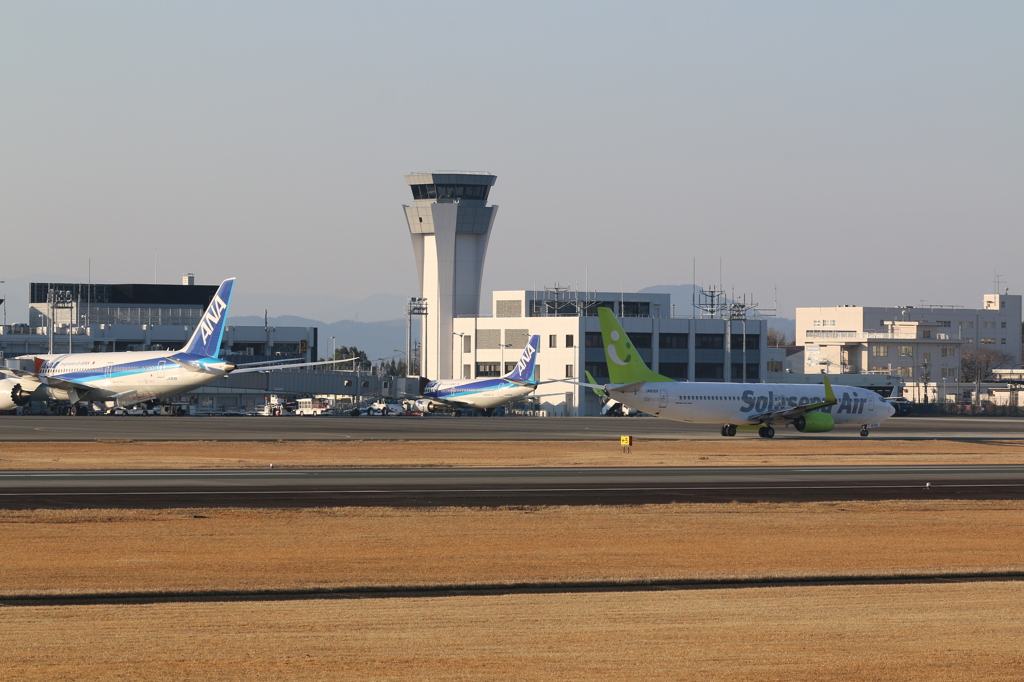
887 632
737 452
118 551
869 632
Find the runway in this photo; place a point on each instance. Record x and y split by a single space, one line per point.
501 486
27 429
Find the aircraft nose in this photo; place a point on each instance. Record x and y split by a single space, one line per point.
892 410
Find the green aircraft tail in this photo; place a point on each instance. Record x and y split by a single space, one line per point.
624 363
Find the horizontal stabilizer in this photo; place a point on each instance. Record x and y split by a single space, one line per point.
247 369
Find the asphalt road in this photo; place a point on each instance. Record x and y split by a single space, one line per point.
501 486
455 428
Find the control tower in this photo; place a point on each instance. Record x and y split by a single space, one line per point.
449 223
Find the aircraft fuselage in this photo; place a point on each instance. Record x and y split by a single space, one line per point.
722 403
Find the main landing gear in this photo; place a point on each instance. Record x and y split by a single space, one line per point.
766 432
864 432
729 430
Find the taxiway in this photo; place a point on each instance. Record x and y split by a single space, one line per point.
501 486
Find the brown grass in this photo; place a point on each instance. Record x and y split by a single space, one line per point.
737 451
90 551
904 632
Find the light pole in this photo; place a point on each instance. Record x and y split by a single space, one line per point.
395 350
4 293
462 351
925 375
331 347
503 346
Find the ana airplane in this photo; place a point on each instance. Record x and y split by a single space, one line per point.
119 379
738 407
485 394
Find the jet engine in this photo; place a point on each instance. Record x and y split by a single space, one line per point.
814 422
425 405
12 395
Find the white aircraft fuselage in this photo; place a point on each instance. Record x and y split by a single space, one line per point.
150 375
723 403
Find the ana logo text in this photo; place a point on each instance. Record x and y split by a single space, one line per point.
525 360
212 317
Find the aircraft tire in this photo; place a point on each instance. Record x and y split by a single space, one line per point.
864 432
725 431
766 432
730 430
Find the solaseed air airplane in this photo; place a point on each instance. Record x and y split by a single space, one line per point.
127 378
737 407
486 394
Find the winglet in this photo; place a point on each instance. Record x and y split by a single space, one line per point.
597 391
830 396
624 363
206 338
524 371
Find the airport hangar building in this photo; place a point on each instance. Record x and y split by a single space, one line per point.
450 223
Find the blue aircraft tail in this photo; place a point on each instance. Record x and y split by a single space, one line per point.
206 338
524 372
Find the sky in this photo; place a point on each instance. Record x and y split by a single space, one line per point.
867 153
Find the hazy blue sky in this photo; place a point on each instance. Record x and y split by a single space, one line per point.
866 153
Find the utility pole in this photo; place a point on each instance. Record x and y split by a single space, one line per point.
416 306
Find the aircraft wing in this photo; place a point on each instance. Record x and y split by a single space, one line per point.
83 391
256 367
53 382
792 413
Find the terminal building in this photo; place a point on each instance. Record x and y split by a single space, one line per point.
97 318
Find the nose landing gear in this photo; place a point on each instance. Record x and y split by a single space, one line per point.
864 432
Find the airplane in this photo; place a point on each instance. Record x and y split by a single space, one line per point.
127 378
485 394
739 406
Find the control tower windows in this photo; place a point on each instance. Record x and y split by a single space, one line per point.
473 192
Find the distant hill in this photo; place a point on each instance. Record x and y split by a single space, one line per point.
320 306
377 339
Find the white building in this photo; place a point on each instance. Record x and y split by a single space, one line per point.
919 344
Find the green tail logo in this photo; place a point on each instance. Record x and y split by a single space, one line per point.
624 363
